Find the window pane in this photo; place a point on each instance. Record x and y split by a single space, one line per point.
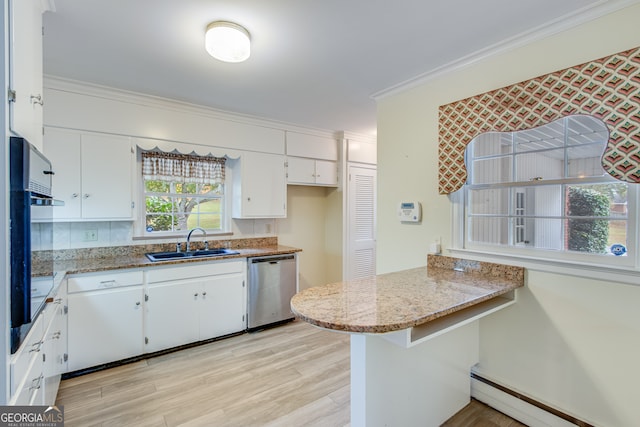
586 130
184 204
156 186
491 144
489 201
159 223
491 171
185 188
538 140
490 230
540 165
210 189
585 161
608 204
206 221
544 200
158 204
544 233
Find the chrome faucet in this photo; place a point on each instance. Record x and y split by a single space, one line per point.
206 244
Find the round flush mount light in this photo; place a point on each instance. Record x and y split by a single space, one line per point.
227 41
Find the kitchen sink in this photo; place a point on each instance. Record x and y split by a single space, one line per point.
203 253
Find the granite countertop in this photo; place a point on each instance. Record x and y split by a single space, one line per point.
401 300
90 260
90 265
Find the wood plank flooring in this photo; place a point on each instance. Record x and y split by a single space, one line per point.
293 375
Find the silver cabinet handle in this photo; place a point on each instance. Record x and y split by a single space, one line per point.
204 294
36 347
137 303
38 383
74 195
195 295
37 99
86 195
108 284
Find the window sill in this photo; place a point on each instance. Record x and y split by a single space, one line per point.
625 275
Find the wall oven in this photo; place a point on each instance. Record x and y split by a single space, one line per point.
30 204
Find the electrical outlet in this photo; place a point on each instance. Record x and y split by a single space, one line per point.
90 235
268 228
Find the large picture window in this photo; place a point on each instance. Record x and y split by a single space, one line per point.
182 192
544 190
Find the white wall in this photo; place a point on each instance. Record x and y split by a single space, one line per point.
308 216
572 343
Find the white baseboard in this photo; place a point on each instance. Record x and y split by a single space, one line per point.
516 408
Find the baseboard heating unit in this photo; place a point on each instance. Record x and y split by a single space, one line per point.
520 407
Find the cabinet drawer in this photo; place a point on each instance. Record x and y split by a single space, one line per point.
160 274
104 280
24 358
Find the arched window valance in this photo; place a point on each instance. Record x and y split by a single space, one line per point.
608 88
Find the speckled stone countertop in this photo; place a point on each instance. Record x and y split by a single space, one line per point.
401 300
92 260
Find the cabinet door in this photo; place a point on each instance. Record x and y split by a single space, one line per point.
55 362
326 172
172 315
222 308
301 171
263 187
25 70
106 177
63 149
104 326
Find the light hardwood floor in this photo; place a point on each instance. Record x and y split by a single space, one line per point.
293 375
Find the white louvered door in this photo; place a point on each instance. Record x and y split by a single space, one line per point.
361 229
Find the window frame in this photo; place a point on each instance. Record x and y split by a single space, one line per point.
626 268
140 229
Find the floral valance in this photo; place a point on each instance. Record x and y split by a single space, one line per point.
608 88
162 166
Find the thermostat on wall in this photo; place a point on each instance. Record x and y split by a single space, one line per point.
410 212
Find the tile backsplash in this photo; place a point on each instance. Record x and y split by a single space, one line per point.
75 235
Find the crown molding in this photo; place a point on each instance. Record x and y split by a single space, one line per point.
561 24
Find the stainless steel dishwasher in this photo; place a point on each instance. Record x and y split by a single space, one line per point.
272 284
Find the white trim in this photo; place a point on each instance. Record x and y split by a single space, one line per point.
558 25
624 275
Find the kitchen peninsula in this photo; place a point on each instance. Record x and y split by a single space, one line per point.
414 335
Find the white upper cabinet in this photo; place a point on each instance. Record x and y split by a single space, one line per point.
259 186
312 160
312 172
93 175
25 70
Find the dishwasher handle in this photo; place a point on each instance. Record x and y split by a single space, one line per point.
271 259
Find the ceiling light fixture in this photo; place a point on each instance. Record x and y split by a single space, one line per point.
227 41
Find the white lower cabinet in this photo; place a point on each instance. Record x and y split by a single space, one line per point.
192 303
37 366
115 315
105 318
55 347
26 369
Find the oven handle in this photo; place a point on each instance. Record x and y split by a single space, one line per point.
45 201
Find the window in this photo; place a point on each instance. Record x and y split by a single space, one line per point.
543 193
182 192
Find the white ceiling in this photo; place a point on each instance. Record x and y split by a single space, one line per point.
314 63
